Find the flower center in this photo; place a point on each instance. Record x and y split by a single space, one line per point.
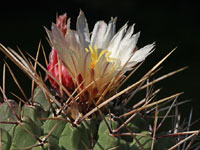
95 56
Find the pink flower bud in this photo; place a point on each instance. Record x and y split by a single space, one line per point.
53 66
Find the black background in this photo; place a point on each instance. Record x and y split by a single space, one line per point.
170 23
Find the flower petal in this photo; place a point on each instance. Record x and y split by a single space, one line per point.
103 33
127 46
82 29
113 46
98 34
63 48
141 54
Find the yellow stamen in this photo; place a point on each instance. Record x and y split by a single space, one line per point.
109 58
87 50
96 57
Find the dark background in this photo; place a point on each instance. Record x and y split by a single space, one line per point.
170 23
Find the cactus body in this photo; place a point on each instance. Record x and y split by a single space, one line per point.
90 134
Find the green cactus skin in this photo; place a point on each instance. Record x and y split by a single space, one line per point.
5 140
108 141
49 124
21 138
74 138
40 98
7 115
145 141
35 113
50 144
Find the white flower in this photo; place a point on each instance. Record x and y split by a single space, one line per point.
96 59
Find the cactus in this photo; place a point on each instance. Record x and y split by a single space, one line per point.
33 132
78 109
